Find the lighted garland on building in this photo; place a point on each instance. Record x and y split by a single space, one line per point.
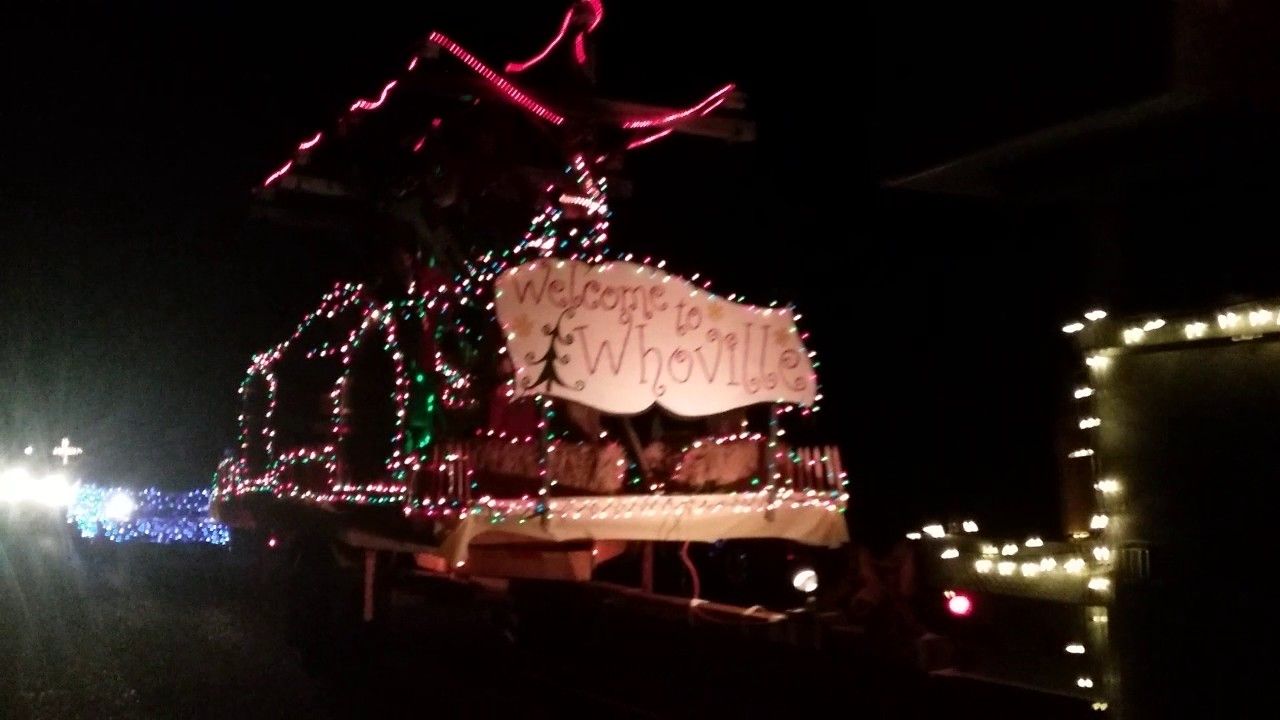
1071 572
1082 568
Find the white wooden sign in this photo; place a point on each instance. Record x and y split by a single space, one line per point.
621 337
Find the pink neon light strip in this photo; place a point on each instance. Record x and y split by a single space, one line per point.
374 104
518 67
597 7
648 139
579 40
277 174
308 144
413 63
708 104
511 91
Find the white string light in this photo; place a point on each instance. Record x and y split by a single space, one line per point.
66 450
1108 486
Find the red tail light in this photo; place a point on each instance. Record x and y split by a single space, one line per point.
958 603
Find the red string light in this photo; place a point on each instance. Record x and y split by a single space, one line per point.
277 174
711 102
360 105
514 93
648 139
597 10
596 7
518 67
580 41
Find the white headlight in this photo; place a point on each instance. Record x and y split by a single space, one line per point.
13 484
805 580
119 507
17 485
55 491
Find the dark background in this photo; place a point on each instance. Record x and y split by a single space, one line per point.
134 286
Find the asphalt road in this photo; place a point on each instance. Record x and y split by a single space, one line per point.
197 632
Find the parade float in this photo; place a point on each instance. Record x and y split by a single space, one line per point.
539 407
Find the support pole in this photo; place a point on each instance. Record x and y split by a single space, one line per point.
545 448
772 459
646 568
637 449
370 564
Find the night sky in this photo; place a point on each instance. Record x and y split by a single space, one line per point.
134 285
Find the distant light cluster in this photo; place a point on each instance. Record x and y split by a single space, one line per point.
149 515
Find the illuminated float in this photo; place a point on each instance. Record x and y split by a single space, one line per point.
542 446
534 412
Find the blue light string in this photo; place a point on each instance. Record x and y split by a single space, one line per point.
158 516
